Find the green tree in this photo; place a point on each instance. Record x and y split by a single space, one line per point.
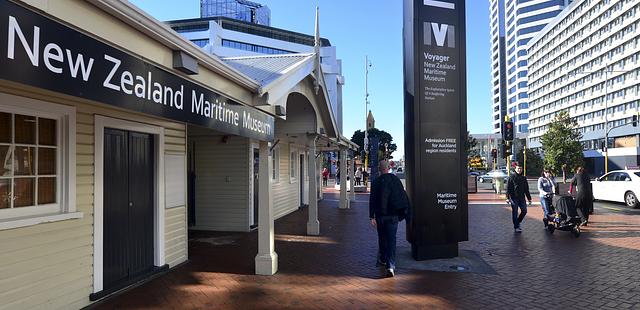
469 146
561 144
385 137
534 162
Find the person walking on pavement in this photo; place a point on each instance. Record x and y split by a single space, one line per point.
325 176
358 176
517 189
388 205
546 188
584 198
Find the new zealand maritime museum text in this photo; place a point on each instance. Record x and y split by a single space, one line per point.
118 79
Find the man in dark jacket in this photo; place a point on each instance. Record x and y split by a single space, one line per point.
517 189
388 205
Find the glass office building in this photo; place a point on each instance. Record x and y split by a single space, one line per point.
522 20
243 10
498 66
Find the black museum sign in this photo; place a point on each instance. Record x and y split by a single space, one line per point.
40 52
436 126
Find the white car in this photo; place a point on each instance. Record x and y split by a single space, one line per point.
619 185
493 174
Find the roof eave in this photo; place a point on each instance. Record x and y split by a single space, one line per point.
143 22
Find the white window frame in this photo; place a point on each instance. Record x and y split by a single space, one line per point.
65 206
100 123
293 161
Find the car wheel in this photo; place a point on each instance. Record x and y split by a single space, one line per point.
631 200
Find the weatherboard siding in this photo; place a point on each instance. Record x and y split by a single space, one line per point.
222 183
50 265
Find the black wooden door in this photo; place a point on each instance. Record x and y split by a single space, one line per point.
128 206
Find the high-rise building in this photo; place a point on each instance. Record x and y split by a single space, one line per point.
498 66
515 22
243 10
586 62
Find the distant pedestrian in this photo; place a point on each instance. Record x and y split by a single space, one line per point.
325 176
546 188
517 190
584 197
358 176
388 205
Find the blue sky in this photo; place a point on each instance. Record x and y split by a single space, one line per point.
374 28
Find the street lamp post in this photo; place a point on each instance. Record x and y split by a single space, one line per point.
367 64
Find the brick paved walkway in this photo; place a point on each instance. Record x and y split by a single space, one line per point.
535 270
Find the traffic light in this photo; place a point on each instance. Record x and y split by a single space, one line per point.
494 154
508 131
507 149
634 120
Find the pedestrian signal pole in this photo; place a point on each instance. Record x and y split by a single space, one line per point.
507 136
524 153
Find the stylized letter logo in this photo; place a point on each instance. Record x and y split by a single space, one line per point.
440 4
440 32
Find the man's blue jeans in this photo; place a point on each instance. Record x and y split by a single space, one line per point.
515 204
387 227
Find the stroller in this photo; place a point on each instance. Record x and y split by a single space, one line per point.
563 215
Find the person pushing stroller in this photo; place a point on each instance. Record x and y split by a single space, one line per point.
546 188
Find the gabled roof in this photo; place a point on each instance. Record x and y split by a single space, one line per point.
266 69
278 74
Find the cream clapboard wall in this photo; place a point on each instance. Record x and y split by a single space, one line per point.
50 265
286 192
222 183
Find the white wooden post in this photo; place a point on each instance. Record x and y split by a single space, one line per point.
313 225
266 259
344 203
319 179
352 193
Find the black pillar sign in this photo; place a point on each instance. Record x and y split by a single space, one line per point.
40 52
435 125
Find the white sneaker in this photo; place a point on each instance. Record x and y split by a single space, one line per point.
518 230
391 273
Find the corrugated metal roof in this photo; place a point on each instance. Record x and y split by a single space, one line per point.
266 69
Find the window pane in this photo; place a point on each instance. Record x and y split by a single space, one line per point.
47 131
46 161
5 160
24 160
46 190
24 192
5 191
25 129
5 127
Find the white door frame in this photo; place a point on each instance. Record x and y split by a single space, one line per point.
253 144
98 216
